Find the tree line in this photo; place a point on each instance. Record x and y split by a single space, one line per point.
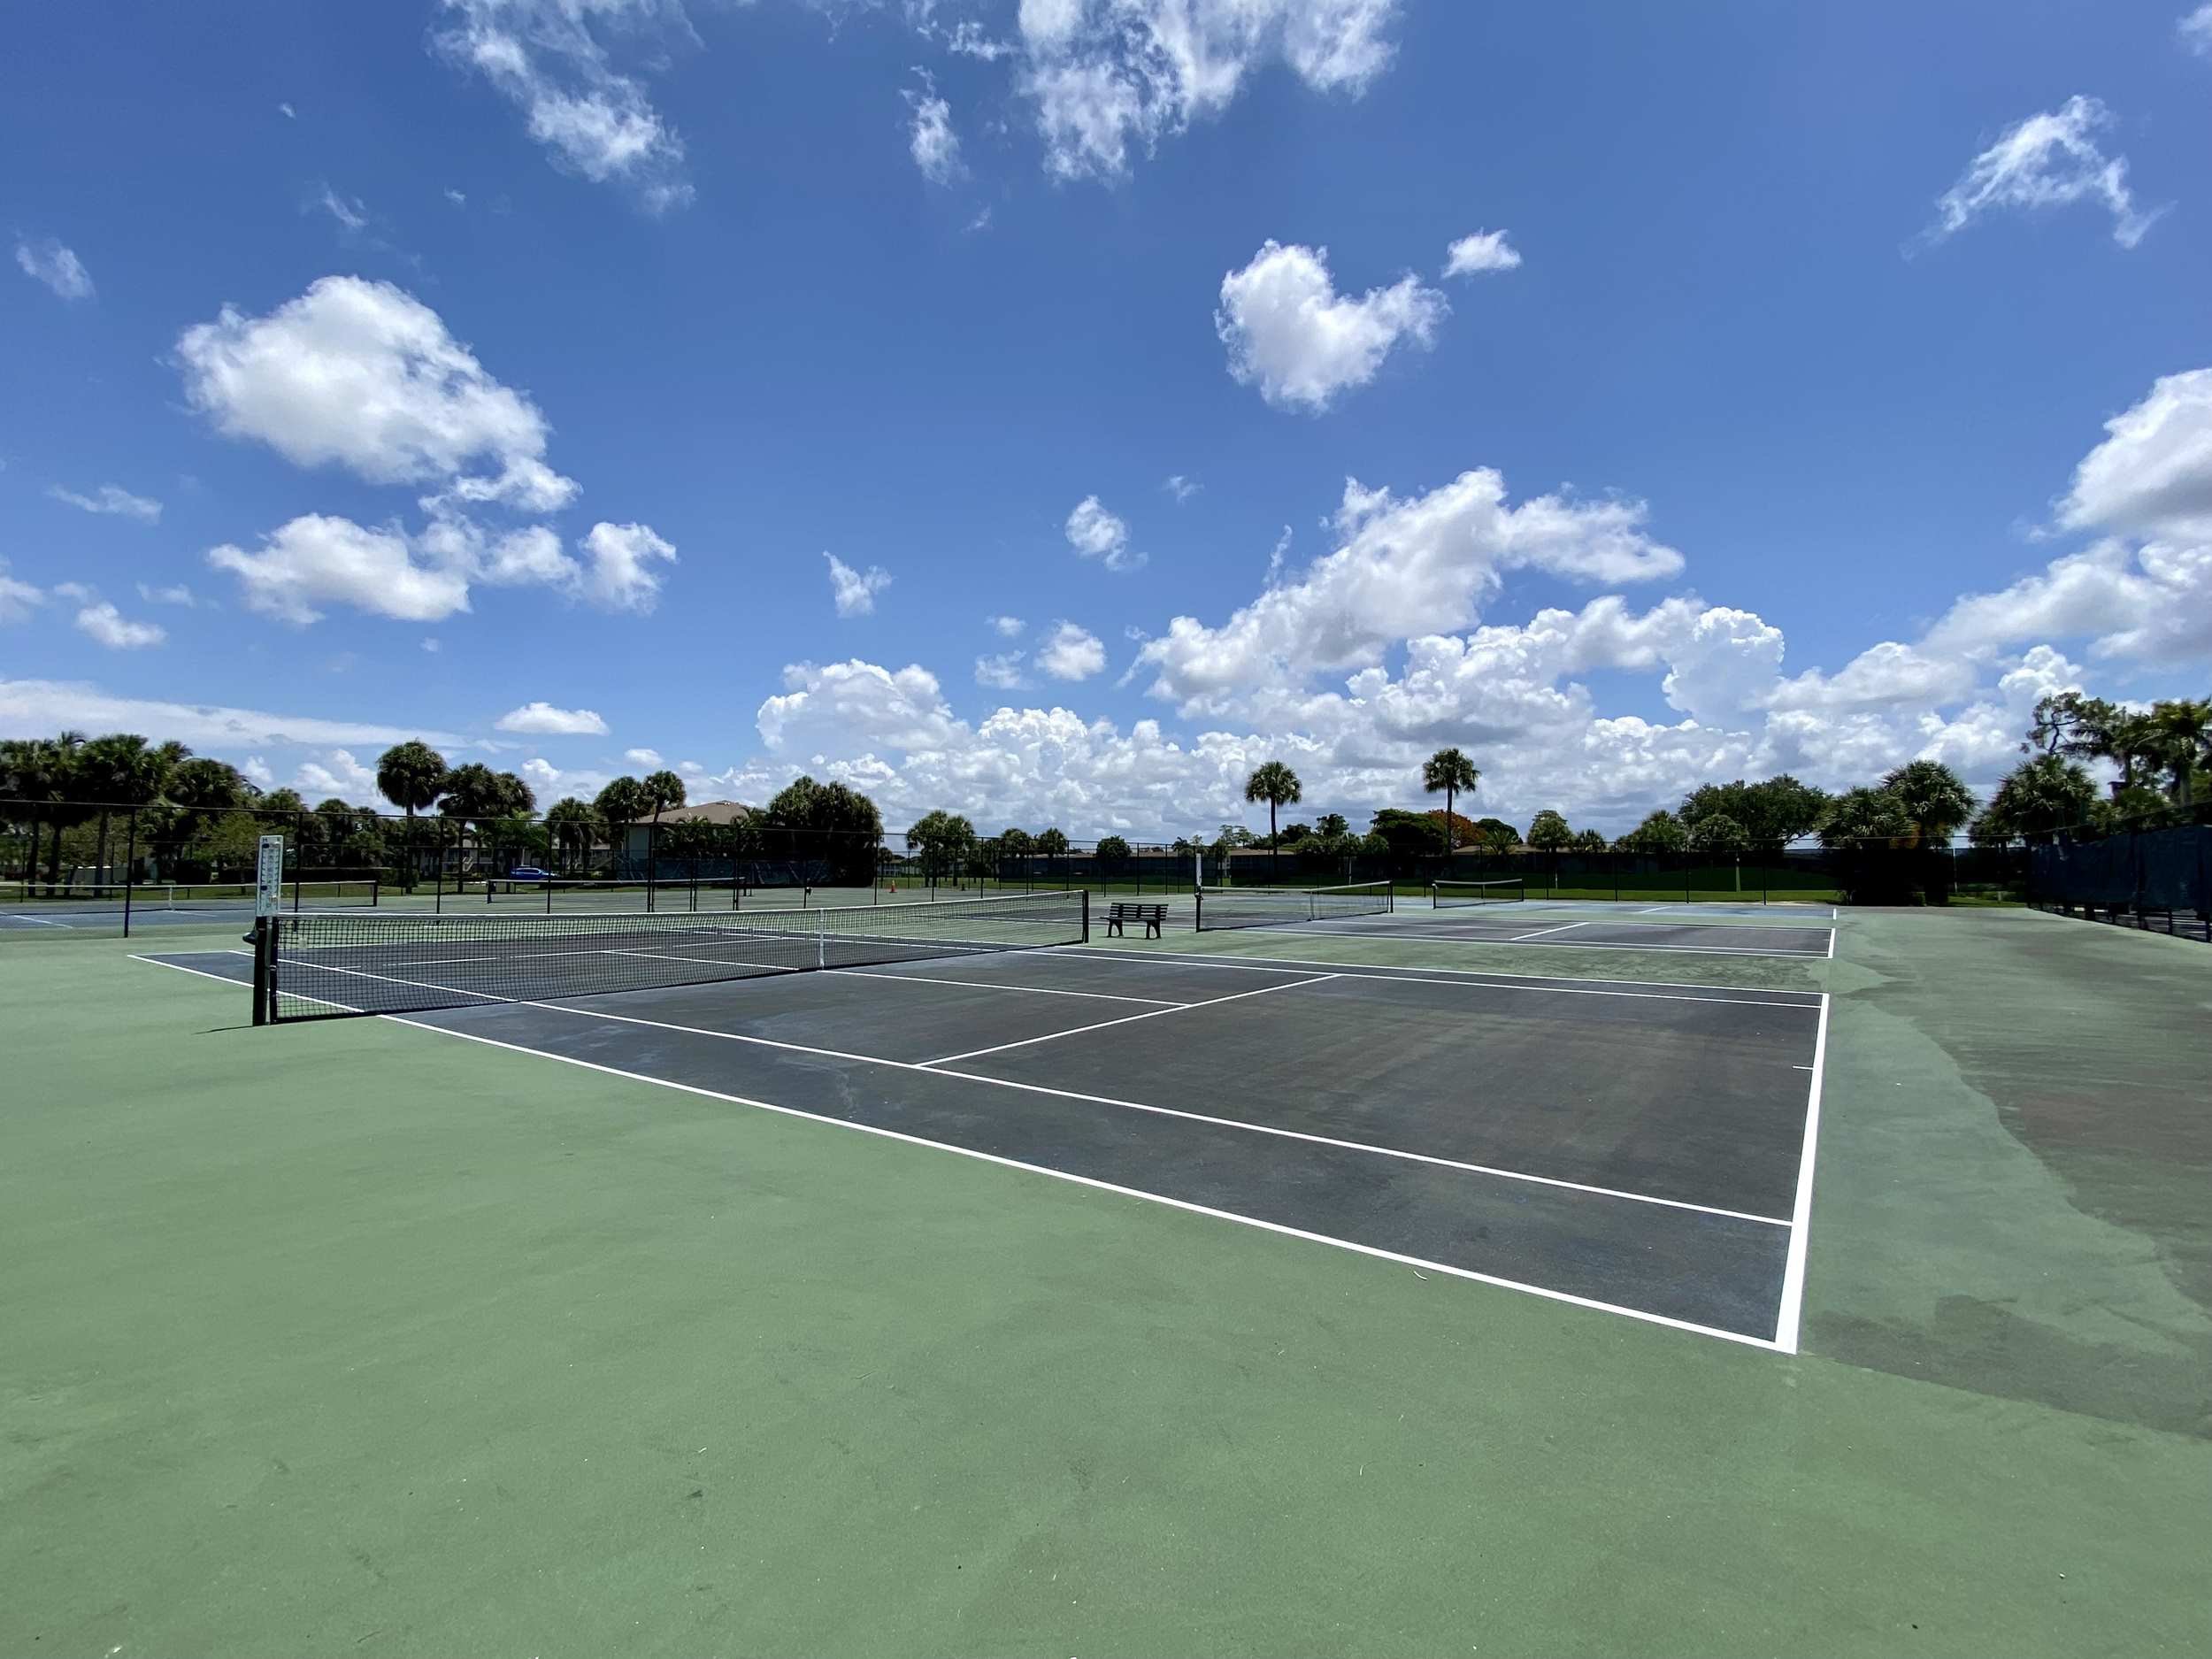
196 815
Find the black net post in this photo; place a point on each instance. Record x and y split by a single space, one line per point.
299 859
1086 915
264 943
437 873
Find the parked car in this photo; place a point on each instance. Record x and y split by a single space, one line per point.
529 873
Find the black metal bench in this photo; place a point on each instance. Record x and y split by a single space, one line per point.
1153 915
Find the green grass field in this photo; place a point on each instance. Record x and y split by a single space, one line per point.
345 1340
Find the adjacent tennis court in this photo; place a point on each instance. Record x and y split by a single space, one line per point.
1642 1150
1491 912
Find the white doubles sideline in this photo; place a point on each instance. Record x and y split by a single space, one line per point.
1785 1339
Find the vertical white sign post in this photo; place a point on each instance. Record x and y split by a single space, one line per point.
268 885
268 899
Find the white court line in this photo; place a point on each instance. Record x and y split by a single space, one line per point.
44 921
1095 1185
1831 944
1541 932
1275 1131
1404 975
1180 1007
1786 1321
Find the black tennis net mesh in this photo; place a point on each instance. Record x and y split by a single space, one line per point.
1220 908
322 966
1445 895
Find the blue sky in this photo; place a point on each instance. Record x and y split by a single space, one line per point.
1811 389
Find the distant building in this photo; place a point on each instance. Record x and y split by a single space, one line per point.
636 840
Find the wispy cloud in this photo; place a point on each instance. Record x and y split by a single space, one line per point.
2048 160
113 500
55 266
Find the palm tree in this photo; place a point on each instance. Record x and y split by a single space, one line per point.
620 804
1276 784
1933 796
1051 843
2037 797
1859 815
663 789
411 776
571 825
119 770
2180 739
1452 772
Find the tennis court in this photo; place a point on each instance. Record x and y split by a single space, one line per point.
1495 912
1643 1150
1551 928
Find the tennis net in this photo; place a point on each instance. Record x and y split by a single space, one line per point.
556 893
1446 895
1220 908
321 966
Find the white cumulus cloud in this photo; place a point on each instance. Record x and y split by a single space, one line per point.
364 376
315 560
1291 333
854 592
1486 251
103 622
1069 652
542 720
648 758
1099 534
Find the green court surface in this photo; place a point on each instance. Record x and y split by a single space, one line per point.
351 1338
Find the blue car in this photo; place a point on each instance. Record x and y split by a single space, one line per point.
529 873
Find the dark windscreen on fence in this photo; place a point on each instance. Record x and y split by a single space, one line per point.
2158 870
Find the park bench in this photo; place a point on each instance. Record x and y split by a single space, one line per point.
1153 917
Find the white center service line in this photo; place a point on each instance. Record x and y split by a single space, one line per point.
1181 1008
1541 932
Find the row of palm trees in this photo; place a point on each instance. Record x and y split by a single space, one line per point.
414 776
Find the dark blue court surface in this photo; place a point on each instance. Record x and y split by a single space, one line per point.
1512 924
1639 1148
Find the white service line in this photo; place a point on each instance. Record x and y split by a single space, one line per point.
1487 982
1541 932
1274 1131
1181 1007
1095 1185
1786 1320
43 921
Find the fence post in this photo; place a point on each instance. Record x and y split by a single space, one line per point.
130 862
